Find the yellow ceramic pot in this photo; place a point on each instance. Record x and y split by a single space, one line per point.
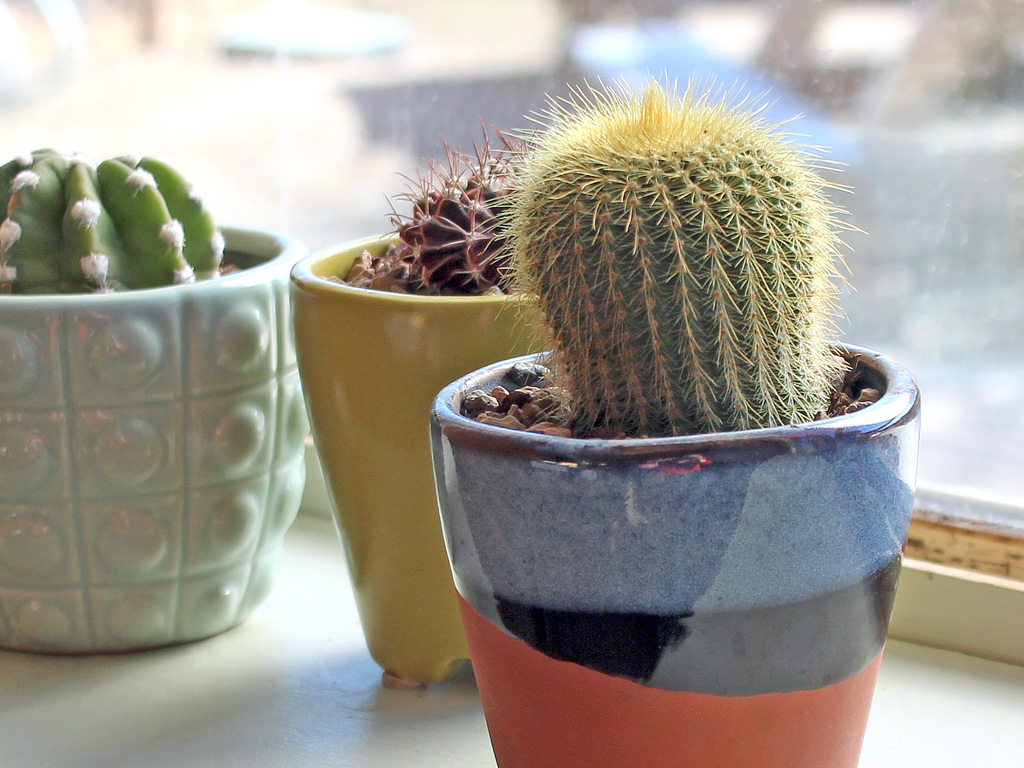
371 364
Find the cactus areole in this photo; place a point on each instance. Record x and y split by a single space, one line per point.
70 225
683 253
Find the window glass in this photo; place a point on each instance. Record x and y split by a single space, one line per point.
302 116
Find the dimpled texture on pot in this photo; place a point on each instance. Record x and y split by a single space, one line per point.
151 456
718 525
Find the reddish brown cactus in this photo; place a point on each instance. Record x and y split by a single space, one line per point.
453 232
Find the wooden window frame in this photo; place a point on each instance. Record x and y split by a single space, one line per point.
962 587
967 532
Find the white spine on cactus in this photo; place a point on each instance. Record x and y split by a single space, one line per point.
172 234
95 267
184 275
86 213
10 231
217 242
139 180
24 180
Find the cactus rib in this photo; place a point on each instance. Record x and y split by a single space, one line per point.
204 245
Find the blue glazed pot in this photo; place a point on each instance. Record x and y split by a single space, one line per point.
734 567
151 456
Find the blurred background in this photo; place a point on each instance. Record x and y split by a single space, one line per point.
305 116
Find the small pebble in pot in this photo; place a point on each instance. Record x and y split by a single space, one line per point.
509 422
530 408
550 429
529 375
869 395
538 406
516 413
477 402
515 397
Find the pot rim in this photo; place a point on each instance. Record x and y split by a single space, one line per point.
899 403
304 276
277 248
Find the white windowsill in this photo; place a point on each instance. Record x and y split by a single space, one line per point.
294 687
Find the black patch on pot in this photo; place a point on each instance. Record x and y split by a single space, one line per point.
797 646
623 644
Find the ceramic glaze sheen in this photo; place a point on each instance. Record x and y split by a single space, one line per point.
707 601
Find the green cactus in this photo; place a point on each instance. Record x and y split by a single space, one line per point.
123 224
684 255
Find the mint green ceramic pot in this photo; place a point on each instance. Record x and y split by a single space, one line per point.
151 456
